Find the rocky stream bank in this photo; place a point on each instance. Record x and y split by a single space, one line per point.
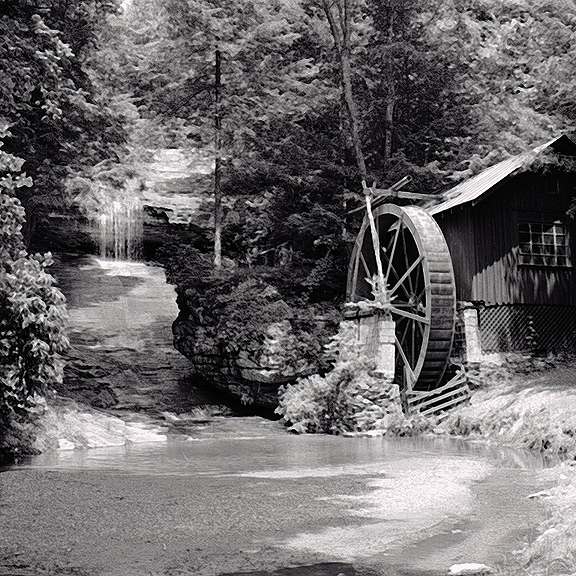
122 368
190 493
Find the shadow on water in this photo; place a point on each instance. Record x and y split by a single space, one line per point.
333 569
324 569
96 287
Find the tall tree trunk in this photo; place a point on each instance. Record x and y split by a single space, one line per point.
346 71
340 28
217 165
390 105
341 32
391 92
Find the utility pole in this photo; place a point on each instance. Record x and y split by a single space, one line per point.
391 90
217 164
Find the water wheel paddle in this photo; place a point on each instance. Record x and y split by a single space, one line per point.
418 289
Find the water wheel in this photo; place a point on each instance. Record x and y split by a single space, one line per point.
417 289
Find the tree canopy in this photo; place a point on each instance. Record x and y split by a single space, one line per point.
441 89
58 123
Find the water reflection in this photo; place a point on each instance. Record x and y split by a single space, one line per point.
416 503
254 447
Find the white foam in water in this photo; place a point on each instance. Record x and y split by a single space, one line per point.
119 222
68 428
125 268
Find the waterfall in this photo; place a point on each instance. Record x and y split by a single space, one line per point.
115 212
119 224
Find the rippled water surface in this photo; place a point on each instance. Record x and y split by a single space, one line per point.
238 445
217 494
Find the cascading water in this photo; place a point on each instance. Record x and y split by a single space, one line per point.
115 213
119 225
119 222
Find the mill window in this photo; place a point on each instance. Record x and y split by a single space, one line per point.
543 244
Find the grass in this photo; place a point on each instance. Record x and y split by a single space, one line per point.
532 409
553 552
535 411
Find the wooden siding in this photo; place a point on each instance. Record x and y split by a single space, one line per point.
458 229
483 242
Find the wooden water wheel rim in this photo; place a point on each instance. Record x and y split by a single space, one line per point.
419 289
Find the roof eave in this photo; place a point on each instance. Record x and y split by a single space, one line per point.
561 145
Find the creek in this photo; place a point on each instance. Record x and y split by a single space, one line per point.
168 480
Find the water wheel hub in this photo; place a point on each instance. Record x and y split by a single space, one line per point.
414 283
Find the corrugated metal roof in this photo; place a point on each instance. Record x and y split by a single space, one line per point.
475 187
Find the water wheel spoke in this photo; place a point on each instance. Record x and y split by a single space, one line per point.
413 342
399 328
422 322
420 298
389 267
406 275
366 267
408 339
421 327
410 315
404 358
354 279
417 280
397 276
390 256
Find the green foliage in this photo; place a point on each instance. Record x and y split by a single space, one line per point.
32 321
347 400
57 123
269 72
513 74
406 85
437 81
291 223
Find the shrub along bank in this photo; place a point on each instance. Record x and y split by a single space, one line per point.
525 403
32 322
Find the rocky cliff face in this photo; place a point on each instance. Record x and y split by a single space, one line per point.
243 337
176 198
254 377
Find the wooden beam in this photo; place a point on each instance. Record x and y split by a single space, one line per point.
401 194
384 195
381 195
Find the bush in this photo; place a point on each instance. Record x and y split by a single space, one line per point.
347 400
32 321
